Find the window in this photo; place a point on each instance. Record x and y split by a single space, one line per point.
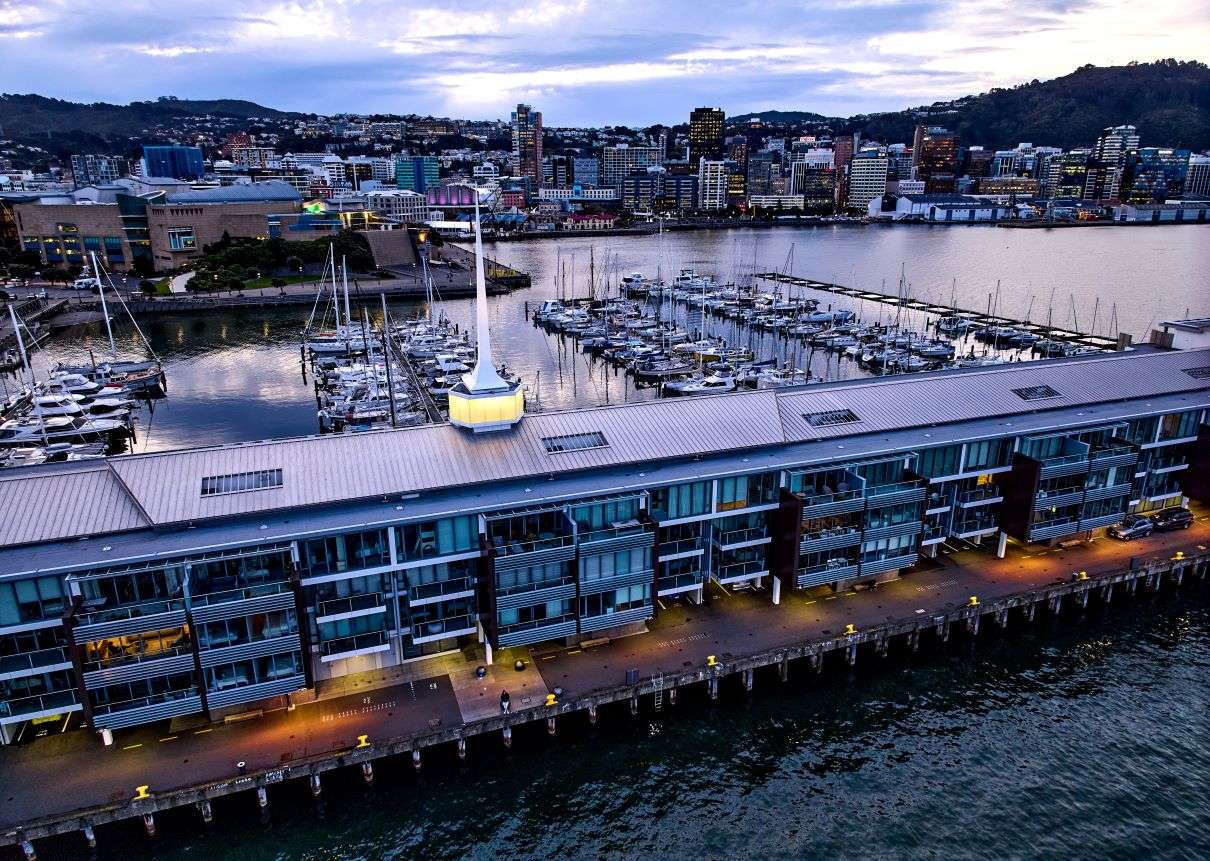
239 482
350 552
438 537
30 600
605 565
1179 425
574 442
987 454
683 500
831 417
181 239
1036 393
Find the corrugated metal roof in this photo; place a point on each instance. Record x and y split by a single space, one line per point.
249 192
88 499
330 469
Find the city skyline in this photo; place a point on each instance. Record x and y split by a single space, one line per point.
584 64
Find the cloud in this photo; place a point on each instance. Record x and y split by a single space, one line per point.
598 62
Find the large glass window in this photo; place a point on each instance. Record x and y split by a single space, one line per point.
744 490
683 500
1179 425
616 600
146 646
437 537
31 600
605 565
987 454
350 552
531 577
602 515
224 575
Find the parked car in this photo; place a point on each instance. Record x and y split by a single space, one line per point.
1172 518
85 283
1132 526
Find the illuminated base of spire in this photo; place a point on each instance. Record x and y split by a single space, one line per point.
486 411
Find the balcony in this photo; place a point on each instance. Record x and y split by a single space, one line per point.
738 572
112 623
681 547
146 709
620 536
335 609
1119 455
750 537
895 494
1058 498
615 581
888 563
529 594
932 535
972 527
984 494
823 504
442 590
130 662
350 647
1066 464
258 691
537 631
263 648
687 581
40 705
34 663
1102 520
1053 528
1161 465
589 624
822 540
242 601
538 551
438 629
1093 494
829 572
891 530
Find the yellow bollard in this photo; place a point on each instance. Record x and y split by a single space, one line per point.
711 661
552 700
140 792
1083 575
362 741
974 601
850 629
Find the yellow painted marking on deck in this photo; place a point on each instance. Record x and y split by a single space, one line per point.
170 738
200 731
849 595
831 597
549 657
574 651
132 746
812 601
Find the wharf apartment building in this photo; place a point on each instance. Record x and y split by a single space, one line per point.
209 581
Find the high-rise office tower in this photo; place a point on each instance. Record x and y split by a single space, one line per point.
527 144
706 135
935 157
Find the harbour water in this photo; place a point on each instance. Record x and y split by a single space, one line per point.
237 375
1083 737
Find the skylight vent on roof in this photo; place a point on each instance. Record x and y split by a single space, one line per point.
1036 393
831 417
241 482
1199 373
574 442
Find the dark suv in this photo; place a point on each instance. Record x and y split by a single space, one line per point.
1172 518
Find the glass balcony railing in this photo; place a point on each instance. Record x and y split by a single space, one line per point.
683 545
550 621
39 703
812 499
978 494
739 569
738 536
439 627
349 604
1098 454
1063 459
830 532
542 542
678 581
440 588
893 488
100 615
243 593
617 530
33 660
534 586
837 564
343 645
133 654
141 702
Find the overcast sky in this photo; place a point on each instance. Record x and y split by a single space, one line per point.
582 62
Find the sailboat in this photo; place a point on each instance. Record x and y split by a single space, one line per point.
142 376
345 339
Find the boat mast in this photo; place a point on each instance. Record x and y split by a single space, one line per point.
335 291
96 273
344 276
33 392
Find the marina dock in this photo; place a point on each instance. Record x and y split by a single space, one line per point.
980 318
441 708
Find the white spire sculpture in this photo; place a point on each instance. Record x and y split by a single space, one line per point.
484 401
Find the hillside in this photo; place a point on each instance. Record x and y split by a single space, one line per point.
39 119
1169 102
778 118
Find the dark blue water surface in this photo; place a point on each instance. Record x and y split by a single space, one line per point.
1086 737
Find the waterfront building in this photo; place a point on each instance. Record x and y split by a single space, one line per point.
867 177
777 201
842 153
206 582
1068 174
97 169
942 208
398 204
712 179
706 128
586 170
1180 212
417 173
620 161
173 160
527 144
935 158
557 171
1154 175
761 167
1022 186
1197 178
